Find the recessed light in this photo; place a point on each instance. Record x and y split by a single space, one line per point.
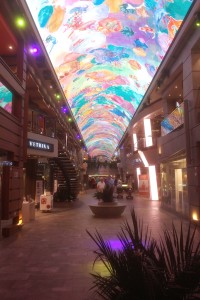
20 22
33 50
10 47
175 87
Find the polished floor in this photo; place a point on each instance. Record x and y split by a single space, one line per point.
51 258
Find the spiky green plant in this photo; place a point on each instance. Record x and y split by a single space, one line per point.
179 255
144 268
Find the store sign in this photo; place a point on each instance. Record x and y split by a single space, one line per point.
33 144
6 163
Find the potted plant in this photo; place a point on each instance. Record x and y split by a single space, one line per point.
146 269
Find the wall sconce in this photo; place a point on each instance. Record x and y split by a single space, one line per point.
158 85
197 20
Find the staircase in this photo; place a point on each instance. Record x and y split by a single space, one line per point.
66 173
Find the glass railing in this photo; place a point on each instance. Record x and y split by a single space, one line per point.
173 120
142 143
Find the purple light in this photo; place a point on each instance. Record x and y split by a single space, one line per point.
33 50
64 109
115 244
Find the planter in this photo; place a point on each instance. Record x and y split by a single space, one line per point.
107 209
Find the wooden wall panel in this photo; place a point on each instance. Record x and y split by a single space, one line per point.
8 135
8 146
9 121
12 184
11 134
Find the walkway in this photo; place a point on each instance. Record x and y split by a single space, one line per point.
51 258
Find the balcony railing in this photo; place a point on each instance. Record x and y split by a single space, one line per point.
173 120
142 143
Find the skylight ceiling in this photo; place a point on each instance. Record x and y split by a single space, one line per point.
105 54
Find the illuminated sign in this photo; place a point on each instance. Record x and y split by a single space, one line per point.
173 120
5 98
6 163
33 144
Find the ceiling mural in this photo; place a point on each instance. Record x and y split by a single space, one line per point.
105 54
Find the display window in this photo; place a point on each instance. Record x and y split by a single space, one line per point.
174 193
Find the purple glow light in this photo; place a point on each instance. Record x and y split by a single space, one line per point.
34 50
115 245
64 109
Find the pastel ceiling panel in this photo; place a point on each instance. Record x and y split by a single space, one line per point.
105 54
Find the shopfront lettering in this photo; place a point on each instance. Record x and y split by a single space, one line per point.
6 163
40 145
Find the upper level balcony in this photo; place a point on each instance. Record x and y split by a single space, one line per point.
143 143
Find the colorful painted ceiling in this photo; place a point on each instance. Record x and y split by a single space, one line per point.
105 54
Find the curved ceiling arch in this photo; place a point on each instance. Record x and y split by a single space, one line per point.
105 54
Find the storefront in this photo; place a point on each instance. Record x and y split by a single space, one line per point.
174 194
145 176
38 174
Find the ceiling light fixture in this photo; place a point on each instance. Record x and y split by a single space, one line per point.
33 50
20 22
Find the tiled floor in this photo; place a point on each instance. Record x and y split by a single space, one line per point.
52 257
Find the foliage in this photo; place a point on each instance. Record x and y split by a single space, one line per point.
98 195
106 195
148 269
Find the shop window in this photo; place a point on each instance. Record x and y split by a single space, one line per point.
174 186
6 98
50 127
41 124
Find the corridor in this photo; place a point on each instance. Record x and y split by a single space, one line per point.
52 257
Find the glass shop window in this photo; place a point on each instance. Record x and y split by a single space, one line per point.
50 127
36 122
41 124
174 191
